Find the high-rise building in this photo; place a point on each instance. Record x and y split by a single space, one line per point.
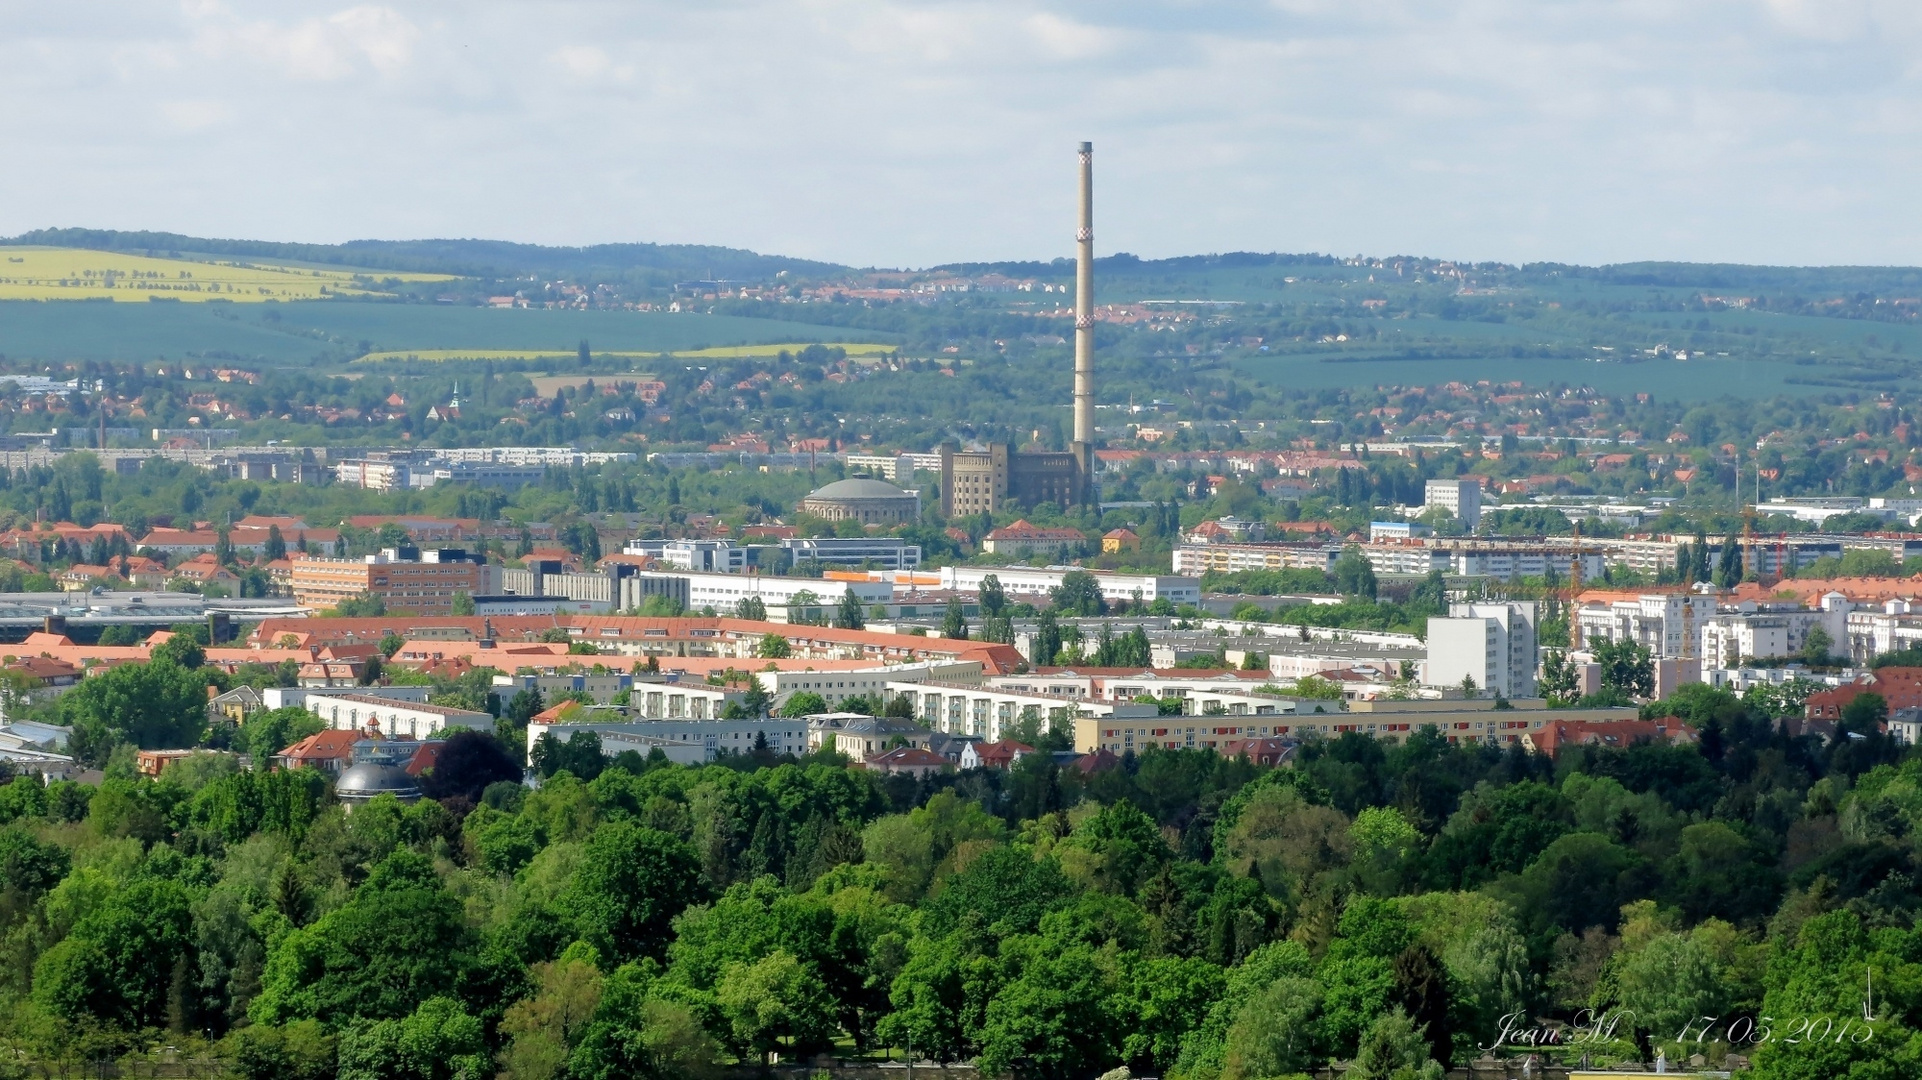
1462 498
1493 644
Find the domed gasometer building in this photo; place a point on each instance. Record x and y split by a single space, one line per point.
870 502
368 780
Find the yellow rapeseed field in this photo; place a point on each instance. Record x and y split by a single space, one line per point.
50 273
726 352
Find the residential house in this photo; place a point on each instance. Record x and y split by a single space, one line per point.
202 570
1617 734
1900 689
151 763
993 755
1228 530
860 736
234 706
42 676
175 542
330 751
1115 541
83 576
143 572
910 760
1262 751
1023 540
331 674
1100 761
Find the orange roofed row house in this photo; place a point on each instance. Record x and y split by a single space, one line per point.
1023 540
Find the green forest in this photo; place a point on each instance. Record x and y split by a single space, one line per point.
1401 907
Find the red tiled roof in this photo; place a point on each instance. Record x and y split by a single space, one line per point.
179 538
267 521
1616 733
1900 687
1022 530
424 758
1001 753
908 757
44 668
330 745
1100 761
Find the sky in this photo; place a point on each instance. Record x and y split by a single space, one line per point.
916 132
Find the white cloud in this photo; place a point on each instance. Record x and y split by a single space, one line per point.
584 61
325 48
196 115
914 131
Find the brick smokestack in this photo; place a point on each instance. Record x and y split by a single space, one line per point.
1084 326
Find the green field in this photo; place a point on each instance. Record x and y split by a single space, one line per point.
68 274
339 331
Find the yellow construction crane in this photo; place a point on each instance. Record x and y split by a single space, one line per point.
1574 590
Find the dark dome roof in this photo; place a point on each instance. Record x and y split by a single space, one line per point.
371 778
859 488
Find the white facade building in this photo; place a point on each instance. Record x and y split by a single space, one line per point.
1198 559
1408 559
1507 563
1021 582
393 719
477 473
993 713
1397 530
679 701
1494 644
836 687
1668 625
883 552
532 455
1748 632
898 468
1462 498
707 556
686 741
722 591
1871 633
373 475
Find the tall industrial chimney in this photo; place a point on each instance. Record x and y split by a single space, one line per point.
1084 327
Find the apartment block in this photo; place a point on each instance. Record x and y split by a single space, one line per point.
1666 624
1198 559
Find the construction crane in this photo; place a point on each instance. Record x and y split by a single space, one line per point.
1574 590
1748 543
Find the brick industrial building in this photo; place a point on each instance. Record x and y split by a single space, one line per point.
424 585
